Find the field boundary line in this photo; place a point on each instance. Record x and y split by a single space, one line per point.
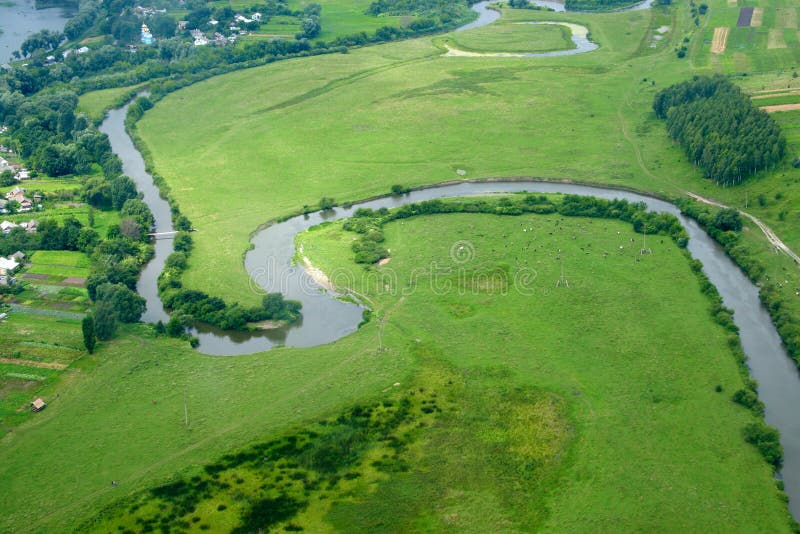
32 363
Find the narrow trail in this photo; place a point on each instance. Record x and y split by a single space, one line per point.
773 239
768 232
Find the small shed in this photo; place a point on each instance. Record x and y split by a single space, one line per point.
38 405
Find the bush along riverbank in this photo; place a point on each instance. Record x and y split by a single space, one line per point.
187 306
725 227
368 223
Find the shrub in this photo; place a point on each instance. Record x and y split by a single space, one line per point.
767 440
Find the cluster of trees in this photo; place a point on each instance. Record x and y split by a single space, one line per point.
431 14
367 247
720 129
310 25
115 304
51 235
199 306
117 260
189 305
51 136
45 41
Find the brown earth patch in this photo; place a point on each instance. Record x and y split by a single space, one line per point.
758 15
32 363
775 39
35 276
781 107
786 17
75 280
720 40
741 62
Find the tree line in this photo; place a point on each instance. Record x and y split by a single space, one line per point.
189 305
720 129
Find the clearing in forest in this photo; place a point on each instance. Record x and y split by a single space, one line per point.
720 40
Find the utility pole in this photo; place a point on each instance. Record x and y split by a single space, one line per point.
185 409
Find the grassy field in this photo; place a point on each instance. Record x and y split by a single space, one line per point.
651 443
347 17
625 396
514 38
29 341
417 126
613 401
95 103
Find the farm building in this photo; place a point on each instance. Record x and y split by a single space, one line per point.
38 405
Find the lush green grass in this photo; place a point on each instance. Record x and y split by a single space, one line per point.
627 397
40 339
60 258
599 377
514 38
347 17
95 103
430 106
59 264
124 420
350 126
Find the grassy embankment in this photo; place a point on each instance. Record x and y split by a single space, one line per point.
571 426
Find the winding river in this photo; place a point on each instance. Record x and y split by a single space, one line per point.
326 319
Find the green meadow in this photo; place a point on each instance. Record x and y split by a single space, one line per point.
350 126
571 426
604 406
514 38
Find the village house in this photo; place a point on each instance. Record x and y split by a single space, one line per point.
5 165
38 405
31 226
19 256
18 194
8 265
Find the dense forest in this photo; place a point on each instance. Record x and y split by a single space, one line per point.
720 129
